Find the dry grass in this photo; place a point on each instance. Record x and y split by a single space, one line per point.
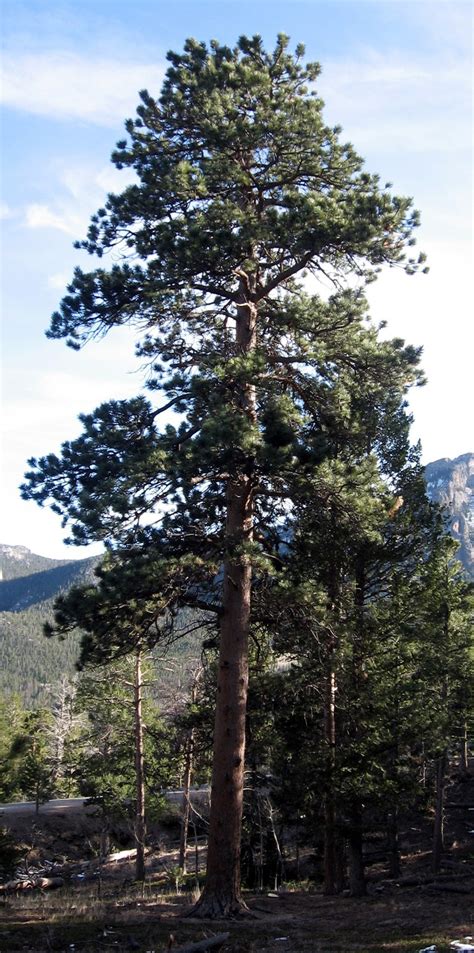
78 921
113 915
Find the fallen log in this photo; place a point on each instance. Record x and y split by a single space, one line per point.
16 885
42 883
50 883
202 946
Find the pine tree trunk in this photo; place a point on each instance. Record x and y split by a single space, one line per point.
441 761
357 884
464 751
340 860
329 847
140 823
330 872
104 840
438 832
222 893
393 845
186 801
188 773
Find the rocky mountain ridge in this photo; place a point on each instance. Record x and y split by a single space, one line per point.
451 483
20 561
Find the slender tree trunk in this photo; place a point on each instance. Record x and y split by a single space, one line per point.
340 859
357 883
393 845
188 772
438 832
140 822
104 846
464 751
330 874
186 801
332 838
222 892
441 761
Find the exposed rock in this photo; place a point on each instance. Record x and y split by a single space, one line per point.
451 483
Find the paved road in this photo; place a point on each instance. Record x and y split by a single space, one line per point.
66 805
76 805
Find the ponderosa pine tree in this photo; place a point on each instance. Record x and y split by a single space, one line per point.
241 188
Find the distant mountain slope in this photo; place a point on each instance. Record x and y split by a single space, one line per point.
32 665
22 592
29 663
451 483
18 561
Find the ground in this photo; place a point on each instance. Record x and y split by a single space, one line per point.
76 921
101 909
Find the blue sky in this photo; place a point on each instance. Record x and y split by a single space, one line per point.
396 76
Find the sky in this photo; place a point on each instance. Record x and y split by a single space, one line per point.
397 76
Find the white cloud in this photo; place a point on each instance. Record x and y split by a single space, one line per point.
42 400
59 281
42 216
110 179
69 86
89 181
84 188
398 102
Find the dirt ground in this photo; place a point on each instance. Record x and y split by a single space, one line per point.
101 909
395 920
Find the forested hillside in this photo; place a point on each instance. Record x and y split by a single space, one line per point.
29 664
33 665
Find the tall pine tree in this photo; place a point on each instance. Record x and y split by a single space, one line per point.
241 188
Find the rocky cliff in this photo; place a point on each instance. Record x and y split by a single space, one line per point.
451 483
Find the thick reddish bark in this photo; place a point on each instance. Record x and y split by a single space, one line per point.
222 893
